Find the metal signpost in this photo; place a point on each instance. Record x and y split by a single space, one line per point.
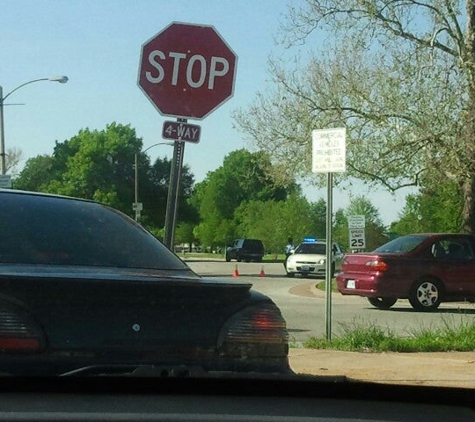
186 71
329 156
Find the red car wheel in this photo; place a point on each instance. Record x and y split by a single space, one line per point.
382 302
426 295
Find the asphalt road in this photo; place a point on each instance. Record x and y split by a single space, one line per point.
303 306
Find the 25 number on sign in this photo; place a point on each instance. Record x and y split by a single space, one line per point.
357 243
357 239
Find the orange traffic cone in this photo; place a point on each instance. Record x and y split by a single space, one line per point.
262 273
236 272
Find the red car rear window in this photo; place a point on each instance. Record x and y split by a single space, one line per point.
403 243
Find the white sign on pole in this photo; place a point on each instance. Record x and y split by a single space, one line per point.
6 181
357 239
329 150
356 221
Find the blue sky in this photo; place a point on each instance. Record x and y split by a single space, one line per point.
97 43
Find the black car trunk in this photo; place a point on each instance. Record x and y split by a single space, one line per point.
139 317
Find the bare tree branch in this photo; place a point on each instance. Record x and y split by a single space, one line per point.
12 160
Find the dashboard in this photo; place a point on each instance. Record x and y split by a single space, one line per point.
238 400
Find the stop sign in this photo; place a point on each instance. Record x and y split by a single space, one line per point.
187 70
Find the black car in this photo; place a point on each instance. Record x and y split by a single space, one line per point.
85 288
245 250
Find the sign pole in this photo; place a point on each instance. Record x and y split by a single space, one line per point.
178 170
136 187
329 258
329 156
173 191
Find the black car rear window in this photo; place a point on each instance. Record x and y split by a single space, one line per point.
403 243
49 230
253 244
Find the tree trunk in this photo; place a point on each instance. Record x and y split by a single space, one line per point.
468 182
468 212
468 185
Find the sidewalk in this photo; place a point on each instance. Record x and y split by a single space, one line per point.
452 369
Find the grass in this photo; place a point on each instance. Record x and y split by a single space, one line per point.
367 337
322 286
204 255
201 255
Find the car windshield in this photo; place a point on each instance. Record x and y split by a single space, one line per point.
172 171
311 248
402 244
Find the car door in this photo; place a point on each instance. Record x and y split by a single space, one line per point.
458 265
337 256
232 250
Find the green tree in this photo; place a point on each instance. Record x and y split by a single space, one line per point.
399 75
375 232
36 174
340 229
184 233
275 221
242 178
431 211
99 165
153 192
318 214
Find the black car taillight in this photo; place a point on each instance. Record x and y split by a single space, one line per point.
255 331
18 331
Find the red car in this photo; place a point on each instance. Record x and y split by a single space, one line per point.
427 269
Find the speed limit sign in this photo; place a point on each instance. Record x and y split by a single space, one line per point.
357 239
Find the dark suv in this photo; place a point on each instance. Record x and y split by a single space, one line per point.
245 250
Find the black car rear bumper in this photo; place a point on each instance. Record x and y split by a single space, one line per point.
50 365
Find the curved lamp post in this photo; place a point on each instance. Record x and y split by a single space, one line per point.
136 203
60 79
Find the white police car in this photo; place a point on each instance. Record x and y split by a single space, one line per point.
309 258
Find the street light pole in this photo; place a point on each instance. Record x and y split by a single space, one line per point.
60 79
136 161
2 133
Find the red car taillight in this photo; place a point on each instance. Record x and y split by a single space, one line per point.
377 265
18 331
255 331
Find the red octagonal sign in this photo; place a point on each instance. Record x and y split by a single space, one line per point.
187 70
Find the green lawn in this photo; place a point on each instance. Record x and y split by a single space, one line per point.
205 255
453 335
